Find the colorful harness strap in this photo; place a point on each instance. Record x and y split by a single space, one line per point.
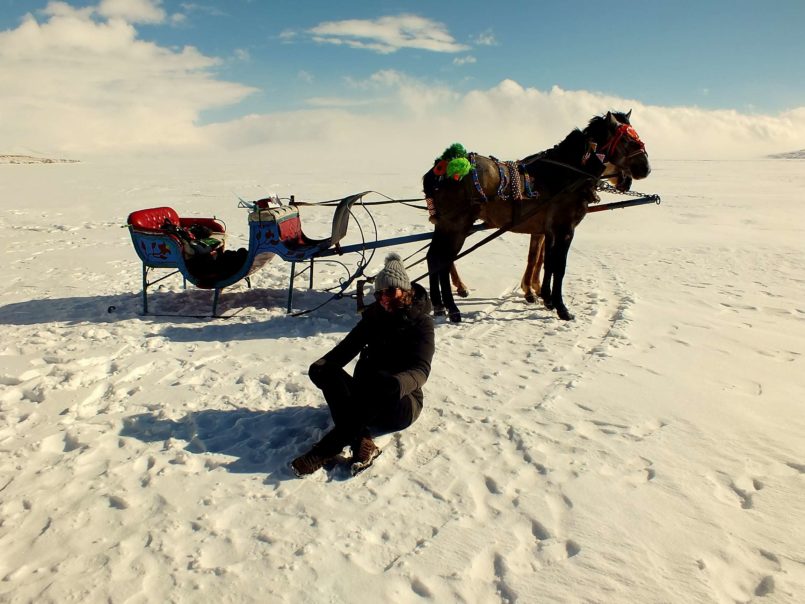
431 207
475 180
510 180
511 184
502 177
529 192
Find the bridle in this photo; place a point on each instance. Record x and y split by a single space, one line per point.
608 149
602 153
631 134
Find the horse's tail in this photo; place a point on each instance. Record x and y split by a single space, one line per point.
430 184
429 188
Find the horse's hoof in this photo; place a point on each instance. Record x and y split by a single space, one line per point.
463 292
564 314
547 303
530 298
439 311
455 316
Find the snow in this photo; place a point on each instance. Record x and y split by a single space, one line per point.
649 451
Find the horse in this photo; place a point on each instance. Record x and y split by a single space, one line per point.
535 258
545 195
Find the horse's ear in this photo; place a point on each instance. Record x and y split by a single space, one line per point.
612 120
629 115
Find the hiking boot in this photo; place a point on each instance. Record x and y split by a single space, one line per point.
364 452
323 452
309 463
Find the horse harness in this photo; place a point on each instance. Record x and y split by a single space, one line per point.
515 183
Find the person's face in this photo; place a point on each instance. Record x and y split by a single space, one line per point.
387 297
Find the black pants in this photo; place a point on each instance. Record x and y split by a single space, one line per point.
355 408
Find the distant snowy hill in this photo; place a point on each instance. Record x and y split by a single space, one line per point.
29 159
790 155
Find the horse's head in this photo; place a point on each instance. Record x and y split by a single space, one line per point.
624 153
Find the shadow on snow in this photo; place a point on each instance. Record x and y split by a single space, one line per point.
192 308
261 441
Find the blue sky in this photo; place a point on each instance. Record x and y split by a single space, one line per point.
738 55
229 60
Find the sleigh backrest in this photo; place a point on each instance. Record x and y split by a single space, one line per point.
153 219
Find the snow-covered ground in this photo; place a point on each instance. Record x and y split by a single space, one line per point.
652 450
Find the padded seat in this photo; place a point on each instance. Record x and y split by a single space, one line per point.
153 219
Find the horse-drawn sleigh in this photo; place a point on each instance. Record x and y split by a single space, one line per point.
545 195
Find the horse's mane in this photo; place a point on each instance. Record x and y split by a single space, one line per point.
569 152
598 127
572 151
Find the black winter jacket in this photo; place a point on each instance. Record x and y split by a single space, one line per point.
400 344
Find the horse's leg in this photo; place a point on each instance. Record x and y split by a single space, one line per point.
535 282
532 268
562 245
447 296
453 247
545 290
461 289
435 258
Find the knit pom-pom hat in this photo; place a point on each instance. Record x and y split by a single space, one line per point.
393 274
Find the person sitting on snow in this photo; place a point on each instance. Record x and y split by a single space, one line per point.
395 339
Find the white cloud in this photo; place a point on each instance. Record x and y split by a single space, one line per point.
486 38
388 34
418 119
62 9
78 83
466 60
133 11
208 9
339 102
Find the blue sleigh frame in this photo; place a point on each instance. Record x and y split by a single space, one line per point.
273 231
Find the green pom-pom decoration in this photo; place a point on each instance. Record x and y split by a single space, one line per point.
454 151
458 168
